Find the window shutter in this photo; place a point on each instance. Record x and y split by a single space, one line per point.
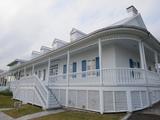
131 63
84 66
74 67
64 69
97 62
138 64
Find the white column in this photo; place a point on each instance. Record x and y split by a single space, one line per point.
156 61
144 66
18 76
33 69
101 80
129 101
25 71
49 63
142 55
48 93
2 81
68 59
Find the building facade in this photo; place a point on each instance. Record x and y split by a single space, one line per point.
113 69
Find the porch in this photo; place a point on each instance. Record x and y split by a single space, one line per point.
104 75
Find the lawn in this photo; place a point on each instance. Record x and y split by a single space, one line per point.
23 110
76 115
6 99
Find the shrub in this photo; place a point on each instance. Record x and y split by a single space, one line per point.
6 92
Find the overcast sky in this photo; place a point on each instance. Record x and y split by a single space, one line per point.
25 25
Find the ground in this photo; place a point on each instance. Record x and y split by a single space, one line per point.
142 116
24 110
6 101
77 115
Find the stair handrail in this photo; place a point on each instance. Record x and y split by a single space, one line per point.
42 88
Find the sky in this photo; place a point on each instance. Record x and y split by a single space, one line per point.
26 25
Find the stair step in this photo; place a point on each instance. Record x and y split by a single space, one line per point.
53 106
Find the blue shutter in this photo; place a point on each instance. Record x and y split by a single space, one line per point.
64 69
84 66
74 67
138 64
97 62
131 64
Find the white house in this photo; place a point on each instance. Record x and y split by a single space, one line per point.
113 69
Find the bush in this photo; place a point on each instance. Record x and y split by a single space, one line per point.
6 92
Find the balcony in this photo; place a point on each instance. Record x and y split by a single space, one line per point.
110 77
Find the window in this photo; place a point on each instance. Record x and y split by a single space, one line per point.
54 69
44 74
84 68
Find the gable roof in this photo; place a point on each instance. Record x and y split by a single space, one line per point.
133 21
74 30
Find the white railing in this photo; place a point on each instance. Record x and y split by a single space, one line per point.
91 77
117 76
152 78
123 76
59 79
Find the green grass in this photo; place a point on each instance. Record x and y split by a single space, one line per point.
23 110
6 101
76 115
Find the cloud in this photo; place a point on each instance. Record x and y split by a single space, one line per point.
25 25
